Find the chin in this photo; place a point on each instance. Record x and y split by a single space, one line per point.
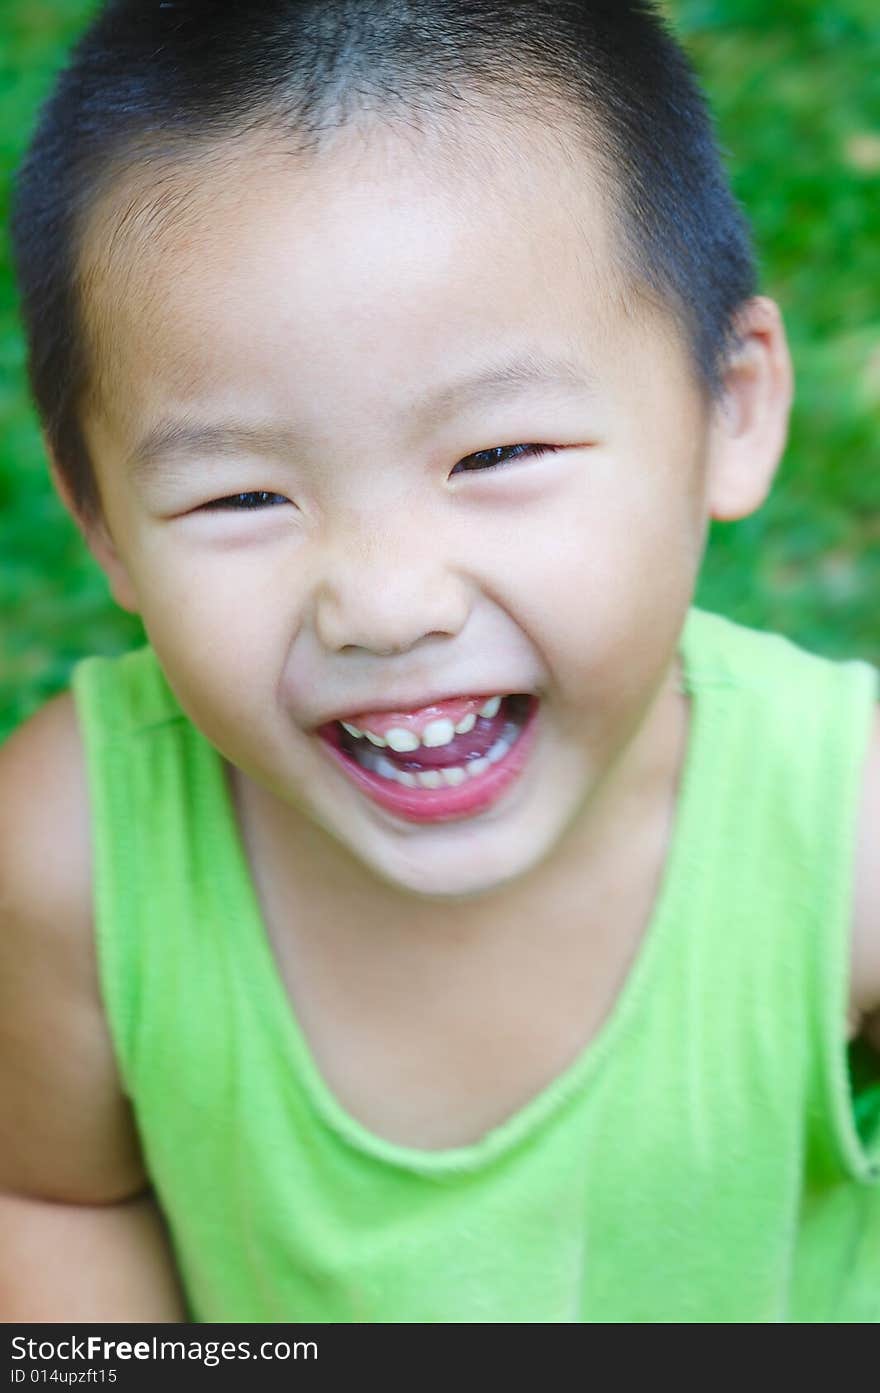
463 870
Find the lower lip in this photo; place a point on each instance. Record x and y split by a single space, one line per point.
442 804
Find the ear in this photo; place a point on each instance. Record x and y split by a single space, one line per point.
750 423
97 537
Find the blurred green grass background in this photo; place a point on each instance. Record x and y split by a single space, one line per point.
795 87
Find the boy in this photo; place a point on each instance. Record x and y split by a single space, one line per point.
440 920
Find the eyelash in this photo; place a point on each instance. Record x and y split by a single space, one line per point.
521 452
233 503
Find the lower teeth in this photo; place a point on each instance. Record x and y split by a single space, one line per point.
377 763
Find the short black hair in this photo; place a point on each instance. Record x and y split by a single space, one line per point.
154 76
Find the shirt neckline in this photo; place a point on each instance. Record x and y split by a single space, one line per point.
247 926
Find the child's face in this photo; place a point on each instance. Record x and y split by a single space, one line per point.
335 306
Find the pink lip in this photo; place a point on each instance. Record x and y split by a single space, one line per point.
439 804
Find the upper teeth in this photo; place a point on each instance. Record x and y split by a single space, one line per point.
435 733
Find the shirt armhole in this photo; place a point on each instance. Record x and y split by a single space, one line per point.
852 1067
863 1071
94 684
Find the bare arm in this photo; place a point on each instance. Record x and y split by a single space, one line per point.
83 1239
86 1263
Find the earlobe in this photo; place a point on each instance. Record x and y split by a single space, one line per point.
96 535
99 542
750 423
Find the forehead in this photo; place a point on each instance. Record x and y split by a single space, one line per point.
388 261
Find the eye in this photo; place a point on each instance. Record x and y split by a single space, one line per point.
244 502
501 454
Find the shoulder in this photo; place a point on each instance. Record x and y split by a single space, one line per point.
65 1132
44 832
865 960
792 683
42 776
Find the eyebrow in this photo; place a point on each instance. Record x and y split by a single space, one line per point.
183 438
506 379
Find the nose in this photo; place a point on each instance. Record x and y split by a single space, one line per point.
383 591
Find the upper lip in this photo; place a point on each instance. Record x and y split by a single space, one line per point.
405 702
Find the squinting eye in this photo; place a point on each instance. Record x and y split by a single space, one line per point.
489 459
241 502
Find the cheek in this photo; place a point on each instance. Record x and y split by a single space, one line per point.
198 589
605 590
216 633
625 531
222 689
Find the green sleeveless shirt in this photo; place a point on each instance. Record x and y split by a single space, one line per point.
713 1155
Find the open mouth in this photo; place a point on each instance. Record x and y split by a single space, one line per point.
442 777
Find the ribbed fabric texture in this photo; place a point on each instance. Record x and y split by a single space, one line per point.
712 1156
